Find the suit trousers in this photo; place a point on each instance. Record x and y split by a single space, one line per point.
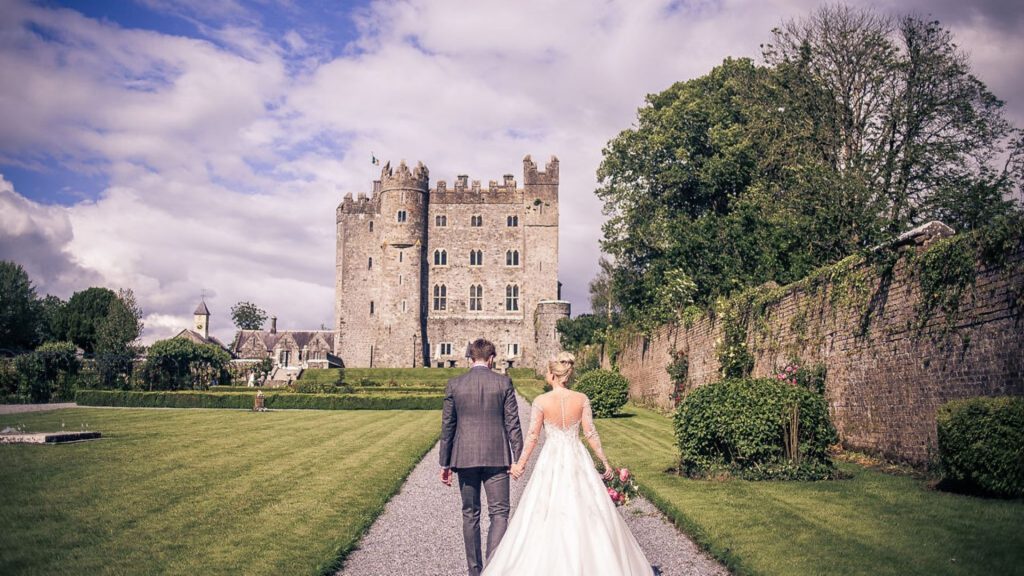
495 482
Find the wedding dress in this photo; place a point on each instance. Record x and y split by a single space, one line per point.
566 524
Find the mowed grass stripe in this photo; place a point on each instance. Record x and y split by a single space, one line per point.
873 523
202 491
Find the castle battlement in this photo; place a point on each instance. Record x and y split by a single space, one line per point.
361 205
402 177
532 176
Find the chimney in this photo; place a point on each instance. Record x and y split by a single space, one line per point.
273 324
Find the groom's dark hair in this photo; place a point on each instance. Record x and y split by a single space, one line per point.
481 350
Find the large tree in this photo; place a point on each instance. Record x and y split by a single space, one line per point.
116 335
19 309
857 127
83 314
248 316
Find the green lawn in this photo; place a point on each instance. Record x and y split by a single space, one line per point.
201 491
874 523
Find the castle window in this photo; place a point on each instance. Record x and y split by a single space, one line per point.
440 220
512 258
476 257
371 225
403 305
440 297
440 257
369 264
512 221
476 221
444 349
476 298
513 350
512 297
401 255
402 215
371 307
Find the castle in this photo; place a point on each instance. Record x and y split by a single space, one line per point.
421 272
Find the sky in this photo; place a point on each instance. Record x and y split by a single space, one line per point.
184 148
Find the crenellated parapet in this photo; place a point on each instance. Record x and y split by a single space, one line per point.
402 177
532 176
464 191
360 205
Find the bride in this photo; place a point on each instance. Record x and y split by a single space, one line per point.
565 524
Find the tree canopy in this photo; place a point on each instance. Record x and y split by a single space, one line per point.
856 127
83 314
248 316
19 309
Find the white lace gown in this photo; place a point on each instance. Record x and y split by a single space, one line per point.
565 523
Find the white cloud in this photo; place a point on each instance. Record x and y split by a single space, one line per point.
226 157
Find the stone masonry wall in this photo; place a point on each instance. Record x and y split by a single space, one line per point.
884 384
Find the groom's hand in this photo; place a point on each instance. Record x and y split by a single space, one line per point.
446 476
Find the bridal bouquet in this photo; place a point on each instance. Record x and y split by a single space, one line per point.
621 488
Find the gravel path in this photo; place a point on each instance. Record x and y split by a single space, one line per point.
21 408
420 531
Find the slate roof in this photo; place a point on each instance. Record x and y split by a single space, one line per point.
202 309
301 337
197 337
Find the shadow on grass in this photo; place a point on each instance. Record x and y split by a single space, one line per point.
969 489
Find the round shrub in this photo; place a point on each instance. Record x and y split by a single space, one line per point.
608 391
742 426
981 444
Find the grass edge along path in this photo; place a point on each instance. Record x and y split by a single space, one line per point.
203 491
874 523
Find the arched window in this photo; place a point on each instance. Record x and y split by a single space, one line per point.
440 257
441 220
476 257
512 297
476 220
512 258
440 297
476 298
402 215
512 221
369 263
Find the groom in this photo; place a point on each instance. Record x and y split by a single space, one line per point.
480 438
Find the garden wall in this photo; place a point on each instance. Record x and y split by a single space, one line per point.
894 346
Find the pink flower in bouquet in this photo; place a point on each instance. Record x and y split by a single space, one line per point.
624 475
614 494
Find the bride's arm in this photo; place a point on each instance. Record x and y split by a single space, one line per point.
594 439
536 422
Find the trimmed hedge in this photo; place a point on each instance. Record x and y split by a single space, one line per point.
201 399
608 391
981 444
740 427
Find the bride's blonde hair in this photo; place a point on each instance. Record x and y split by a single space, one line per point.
561 366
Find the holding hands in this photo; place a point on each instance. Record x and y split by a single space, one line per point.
517 470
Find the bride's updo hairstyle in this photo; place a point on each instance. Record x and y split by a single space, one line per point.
561 367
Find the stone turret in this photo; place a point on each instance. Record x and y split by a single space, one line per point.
201 319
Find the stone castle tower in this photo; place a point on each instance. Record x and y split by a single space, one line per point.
421 272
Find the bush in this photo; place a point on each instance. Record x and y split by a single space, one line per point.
179 364
980 444
608 391
202 399
745 427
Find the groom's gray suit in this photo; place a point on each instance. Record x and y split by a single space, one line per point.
480 439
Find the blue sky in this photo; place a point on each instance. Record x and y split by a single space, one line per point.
177 146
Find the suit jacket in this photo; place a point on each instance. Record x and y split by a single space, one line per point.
480 421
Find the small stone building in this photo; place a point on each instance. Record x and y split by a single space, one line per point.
201 333
298 349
